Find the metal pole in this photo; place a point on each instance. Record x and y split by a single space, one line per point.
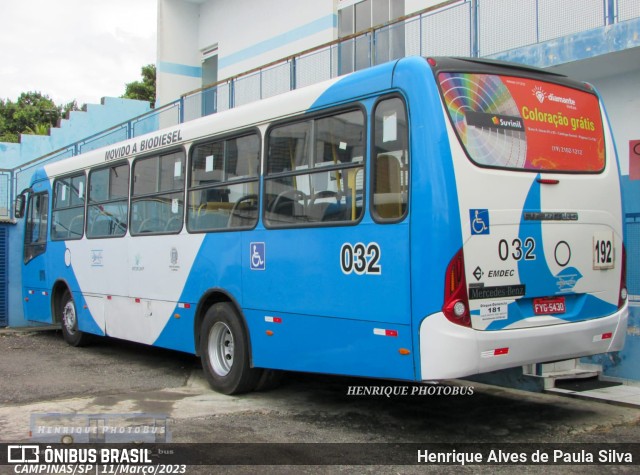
475 48
610 11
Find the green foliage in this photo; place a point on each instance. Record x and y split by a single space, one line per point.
144 90
32 113
35 113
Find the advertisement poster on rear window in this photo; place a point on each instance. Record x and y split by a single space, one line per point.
520 123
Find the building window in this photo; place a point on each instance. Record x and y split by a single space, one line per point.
209 76
223 185
362 52
68 208
315 171
108 206
157 198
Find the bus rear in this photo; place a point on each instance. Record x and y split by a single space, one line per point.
541 272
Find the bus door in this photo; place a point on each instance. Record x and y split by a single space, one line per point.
36 288
327 278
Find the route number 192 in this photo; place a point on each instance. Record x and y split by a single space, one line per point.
603 252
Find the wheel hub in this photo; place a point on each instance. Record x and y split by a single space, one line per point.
221 348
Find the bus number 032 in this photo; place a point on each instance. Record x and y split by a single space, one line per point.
517 249
360 258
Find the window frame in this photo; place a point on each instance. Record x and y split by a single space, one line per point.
71 176
373 160
253 131
157 154
313 117
127 199
39 247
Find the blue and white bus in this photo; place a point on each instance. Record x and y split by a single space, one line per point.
420 220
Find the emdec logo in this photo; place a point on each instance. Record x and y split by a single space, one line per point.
23 454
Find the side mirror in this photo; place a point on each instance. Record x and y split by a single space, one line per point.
19 206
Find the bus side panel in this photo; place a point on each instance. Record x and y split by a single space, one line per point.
210 262
328 309
63 268
329 345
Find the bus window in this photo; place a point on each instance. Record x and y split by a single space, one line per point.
223 187
108 201
390 161
157 201
315 171
35 238
68 208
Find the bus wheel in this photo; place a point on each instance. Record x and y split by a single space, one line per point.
224 351
69 320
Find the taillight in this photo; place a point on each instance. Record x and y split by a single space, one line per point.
456 301
623 279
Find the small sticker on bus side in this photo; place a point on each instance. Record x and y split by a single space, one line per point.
257 257
491 311
479 220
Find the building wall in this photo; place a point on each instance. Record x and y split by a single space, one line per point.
178 61
247 34
621 98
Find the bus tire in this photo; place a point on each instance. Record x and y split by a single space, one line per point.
224 350
69 322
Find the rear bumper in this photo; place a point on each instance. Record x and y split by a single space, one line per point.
452 351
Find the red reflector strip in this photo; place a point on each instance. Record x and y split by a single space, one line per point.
604 336
137 300
108 297
384 332
184 305
273 319
45 293
31 292
494 352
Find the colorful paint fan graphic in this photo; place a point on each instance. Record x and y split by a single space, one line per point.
486 117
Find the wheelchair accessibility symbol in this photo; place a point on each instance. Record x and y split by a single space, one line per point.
257 256
479 219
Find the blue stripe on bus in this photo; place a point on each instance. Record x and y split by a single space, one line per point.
538 279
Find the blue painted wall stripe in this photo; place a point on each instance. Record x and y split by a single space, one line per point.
179 69
575 47
316 26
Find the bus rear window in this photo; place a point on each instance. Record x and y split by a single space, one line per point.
524 124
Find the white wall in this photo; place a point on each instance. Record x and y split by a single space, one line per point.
248 33
253 33
622 101
178 51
